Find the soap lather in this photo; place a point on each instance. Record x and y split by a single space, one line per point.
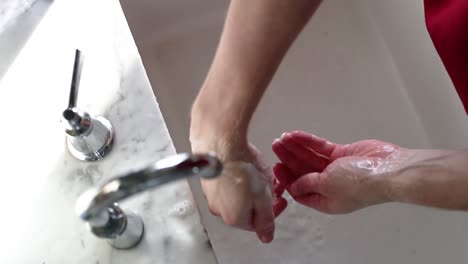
89 138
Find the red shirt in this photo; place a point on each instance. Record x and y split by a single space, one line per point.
447 23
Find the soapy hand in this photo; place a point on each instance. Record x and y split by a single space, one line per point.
333 178
242 196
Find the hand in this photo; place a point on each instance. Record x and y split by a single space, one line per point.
333 178
242 195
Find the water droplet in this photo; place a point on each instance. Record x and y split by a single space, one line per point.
182 209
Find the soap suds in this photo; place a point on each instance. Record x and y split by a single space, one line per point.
182 209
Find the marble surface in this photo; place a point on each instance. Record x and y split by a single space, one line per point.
18 19
41 180
10 10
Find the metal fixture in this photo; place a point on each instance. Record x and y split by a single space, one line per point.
89 138
124 228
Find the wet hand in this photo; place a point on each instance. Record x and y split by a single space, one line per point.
333 178
242 196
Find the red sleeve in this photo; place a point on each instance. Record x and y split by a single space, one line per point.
447 23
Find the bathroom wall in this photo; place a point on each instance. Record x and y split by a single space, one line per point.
400 24
361 69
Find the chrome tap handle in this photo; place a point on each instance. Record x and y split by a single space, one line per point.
75 83
99 208
89 138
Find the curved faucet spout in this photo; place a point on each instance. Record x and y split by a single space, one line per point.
98 207
93 202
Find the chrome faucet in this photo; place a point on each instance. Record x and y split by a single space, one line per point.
124 228
88 138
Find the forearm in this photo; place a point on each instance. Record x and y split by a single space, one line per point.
256 36
436 178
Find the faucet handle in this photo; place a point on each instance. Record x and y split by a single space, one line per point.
88 138
76 76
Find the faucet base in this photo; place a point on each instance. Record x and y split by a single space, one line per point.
132 234
81 149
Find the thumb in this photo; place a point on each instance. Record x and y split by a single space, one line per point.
305 185
264 219
279 205
308 191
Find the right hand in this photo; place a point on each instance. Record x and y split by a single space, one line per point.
242 196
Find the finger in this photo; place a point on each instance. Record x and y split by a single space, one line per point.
278 188
264 219
279 206
283 174
262 165
236 211
235 219
311 160
213 211
212 205
318 144
288 158
305 185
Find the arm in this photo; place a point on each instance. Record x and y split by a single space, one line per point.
255 38
345 178
437 178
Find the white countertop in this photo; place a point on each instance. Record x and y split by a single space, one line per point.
41 180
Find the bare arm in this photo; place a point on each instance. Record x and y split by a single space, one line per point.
256 36
437 178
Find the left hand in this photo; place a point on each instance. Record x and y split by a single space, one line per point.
330 177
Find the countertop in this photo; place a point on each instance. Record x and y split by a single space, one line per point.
41 180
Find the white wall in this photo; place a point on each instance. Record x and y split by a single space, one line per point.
421 70
352 74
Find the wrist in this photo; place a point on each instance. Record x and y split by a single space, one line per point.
395 184
212 131
376 188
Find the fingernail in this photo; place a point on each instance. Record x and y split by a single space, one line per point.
267 238
268 235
